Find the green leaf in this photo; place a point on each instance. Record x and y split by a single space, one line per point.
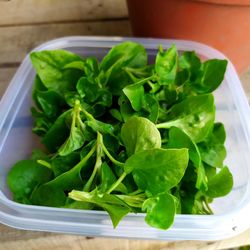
157 170
210 77
139 134
213 151
101 127
116 114
151 106
220 184
108 178
49 65
191 63
166 64
75 141
135 94
52 193
179 139
160 211
87 89
125 107
58 132
126 54
62 164
24 177
195 116
115 207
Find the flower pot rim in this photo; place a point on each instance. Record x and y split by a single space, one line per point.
227 2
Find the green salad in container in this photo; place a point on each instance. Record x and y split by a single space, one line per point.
125 136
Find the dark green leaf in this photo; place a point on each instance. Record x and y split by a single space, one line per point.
213 151
108 178
58 133
210 76
126 54
24 177
220 184
62 164
179 139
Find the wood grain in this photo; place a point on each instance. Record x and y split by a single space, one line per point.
27 240
17 41
17 12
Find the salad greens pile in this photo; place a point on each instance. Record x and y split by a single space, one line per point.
123 135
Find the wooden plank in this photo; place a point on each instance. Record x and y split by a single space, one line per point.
18 12
22 240
17 41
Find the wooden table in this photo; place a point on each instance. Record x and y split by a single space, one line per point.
23 25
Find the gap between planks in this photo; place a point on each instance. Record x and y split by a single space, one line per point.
16 42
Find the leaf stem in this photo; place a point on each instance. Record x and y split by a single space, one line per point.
118 163
84 160
44 163
98 163
207 206
115 185
166 124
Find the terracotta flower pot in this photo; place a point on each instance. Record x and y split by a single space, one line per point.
222 24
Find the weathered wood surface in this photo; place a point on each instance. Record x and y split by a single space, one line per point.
16 41
20 12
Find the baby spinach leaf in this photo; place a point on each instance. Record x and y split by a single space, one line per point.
160 210
220 184
179 139
135 94
191 63
65 182
157 170
24 177
125 107
58 132
81 65
38 154
86 89
195 116
139 134
151 106
116 114
212 149
49 65
101 127
41 122
210 76
62 164
115 207
108 178
126 54
75 141
166 63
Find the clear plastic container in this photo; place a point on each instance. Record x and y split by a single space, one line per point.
16 142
